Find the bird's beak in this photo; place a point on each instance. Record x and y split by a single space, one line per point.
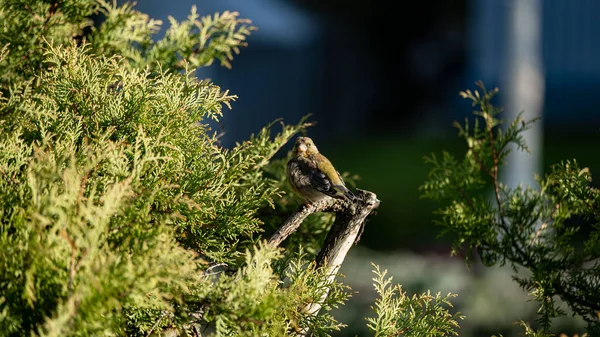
301 148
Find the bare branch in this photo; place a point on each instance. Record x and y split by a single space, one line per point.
348 226
295 220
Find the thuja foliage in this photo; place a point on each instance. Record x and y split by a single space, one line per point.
121 214
549 234
399 314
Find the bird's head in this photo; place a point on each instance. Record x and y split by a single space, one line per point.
304 147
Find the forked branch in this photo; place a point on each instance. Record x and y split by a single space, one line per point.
346 230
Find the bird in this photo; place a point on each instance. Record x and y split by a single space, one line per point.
312 176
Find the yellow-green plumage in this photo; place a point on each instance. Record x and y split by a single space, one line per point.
325 165
312 176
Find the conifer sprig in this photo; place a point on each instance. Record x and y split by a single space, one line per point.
532 229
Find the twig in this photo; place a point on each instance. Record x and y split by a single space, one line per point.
156 323
209 270
495 167
72 262
494 174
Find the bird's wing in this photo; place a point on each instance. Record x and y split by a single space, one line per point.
320 181
326 179
340 176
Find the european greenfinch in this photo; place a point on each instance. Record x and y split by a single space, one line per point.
312 176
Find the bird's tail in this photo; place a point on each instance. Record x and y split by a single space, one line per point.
346 193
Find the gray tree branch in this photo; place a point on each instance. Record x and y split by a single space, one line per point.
295 220
349 223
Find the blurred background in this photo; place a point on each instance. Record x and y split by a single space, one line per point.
381 79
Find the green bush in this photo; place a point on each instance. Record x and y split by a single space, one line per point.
123 215
121 212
